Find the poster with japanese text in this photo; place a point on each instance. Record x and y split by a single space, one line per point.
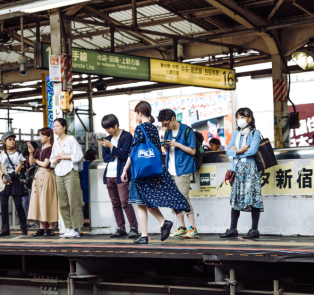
208 113
305 181
208 181
267 181
303 135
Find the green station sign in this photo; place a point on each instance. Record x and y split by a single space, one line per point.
102 63
87 61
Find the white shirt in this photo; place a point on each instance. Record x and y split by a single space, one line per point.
112 166
172 163
70 147
15 158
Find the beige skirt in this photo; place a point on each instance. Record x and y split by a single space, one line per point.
44 201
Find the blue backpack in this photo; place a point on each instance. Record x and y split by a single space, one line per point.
146 160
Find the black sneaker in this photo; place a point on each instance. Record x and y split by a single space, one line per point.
230 233
39 233
49 232
120 233
253 233
133 233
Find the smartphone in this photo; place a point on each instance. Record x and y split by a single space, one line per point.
101 138
163 143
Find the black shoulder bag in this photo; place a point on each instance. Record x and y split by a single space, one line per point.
31 171
23 185
265 156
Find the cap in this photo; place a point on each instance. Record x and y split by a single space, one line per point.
7 135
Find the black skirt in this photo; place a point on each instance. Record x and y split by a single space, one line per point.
14 189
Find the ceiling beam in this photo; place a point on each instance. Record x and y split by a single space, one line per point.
17 37
101 15
74 9
143 31
240 14
297 4
275 9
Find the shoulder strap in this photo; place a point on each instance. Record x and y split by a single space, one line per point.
122 137
187 131
12 166
167 134
147 139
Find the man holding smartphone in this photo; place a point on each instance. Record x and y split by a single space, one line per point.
115 152
181 147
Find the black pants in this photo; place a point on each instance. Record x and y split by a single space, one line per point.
86 210
5 209
235 214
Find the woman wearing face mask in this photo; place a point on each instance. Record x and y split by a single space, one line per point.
67 159
246 192
12 159
44 200
151 193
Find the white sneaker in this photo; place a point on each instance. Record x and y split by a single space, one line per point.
66 233
73 234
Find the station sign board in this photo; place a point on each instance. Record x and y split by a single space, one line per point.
189 74
86 61
55 68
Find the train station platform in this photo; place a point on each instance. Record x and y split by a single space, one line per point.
208 248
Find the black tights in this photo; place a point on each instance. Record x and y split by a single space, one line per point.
5 209
235 214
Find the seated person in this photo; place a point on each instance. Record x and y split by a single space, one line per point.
215 145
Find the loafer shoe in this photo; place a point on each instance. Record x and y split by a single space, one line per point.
40 232
230 233
253 233
165 230
141 240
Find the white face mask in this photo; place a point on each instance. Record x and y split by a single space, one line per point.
242 123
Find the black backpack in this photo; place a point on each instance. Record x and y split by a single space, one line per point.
199 153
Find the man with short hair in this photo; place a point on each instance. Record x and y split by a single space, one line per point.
181 148
115 152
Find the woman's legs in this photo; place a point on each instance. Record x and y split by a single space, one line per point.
235 214
20 212
255 217
5 214
158 215
142 217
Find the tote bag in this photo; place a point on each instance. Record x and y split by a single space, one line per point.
146 160
265 156
4 170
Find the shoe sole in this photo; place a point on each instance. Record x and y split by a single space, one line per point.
255 237
187 237
234 236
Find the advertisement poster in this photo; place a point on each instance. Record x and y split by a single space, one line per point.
303 135
208 113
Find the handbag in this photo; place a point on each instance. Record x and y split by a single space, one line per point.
31 171
265 156
4 170
23 185
145 160
230 175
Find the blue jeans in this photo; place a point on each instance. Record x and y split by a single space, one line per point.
25 202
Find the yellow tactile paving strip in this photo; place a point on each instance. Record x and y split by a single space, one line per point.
181 242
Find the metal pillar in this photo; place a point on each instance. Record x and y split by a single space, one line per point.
134 14
90 104
72 274
232 282
175 49
112 39
231 58
281 114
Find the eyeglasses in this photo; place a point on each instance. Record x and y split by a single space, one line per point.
166 125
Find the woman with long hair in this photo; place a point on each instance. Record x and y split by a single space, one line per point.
246 192
67 159
44 200
12 159
154 192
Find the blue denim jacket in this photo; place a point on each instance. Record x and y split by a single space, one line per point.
252 141
184 162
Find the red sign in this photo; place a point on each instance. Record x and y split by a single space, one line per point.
303 135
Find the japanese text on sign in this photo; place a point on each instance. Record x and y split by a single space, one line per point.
174 72
55 68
